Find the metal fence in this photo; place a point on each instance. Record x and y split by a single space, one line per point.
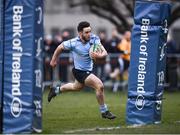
62 73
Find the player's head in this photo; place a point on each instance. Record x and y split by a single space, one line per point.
127 35
84 30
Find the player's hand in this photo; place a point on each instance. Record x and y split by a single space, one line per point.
94 55
53 62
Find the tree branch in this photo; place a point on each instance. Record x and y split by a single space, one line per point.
175 15
109 6
128 6
109 17
77 4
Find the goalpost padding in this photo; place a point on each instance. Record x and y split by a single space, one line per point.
1 60
148 61
23 40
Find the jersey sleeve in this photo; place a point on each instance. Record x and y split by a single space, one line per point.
67 45
97 40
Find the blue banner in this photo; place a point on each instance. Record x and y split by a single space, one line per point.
38 67
151 112
148 61
20 62
147 57
156 11
1 59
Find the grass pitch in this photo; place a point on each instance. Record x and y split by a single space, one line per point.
78 113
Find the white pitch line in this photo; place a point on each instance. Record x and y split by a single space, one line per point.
177 121
135 126
91 129
106 128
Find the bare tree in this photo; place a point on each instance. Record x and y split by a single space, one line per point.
175 14
120 12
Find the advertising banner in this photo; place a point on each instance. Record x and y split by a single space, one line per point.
1 59
156 11
38 66
151 112
148 61
20 67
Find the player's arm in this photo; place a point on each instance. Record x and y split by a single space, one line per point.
56 54
102 54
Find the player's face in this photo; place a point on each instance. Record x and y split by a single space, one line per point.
86 33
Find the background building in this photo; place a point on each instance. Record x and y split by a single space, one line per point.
59 16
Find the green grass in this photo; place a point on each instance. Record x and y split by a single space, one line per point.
79 110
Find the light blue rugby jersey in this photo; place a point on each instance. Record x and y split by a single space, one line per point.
80 52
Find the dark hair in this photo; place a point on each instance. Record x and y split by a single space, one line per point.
82 25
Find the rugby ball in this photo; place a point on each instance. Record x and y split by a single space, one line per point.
94 48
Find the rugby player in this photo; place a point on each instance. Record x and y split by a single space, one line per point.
83 65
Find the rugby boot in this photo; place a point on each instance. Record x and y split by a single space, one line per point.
53 93
108 115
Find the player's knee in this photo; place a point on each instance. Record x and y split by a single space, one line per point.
100 91
100 87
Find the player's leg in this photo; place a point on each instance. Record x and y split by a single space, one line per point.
115 73
54 91
124 69
76 86
95 83
121 64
